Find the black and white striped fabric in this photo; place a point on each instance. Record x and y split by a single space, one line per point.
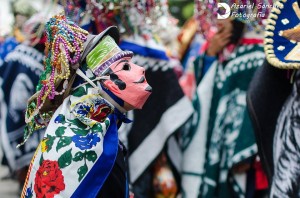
166 110
286 147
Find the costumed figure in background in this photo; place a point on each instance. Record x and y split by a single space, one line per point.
154 149
22 11
19 74
220 146
281 48
191 41
87 86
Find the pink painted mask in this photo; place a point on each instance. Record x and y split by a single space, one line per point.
128 82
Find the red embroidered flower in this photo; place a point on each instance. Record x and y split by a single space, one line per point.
49 180
101 113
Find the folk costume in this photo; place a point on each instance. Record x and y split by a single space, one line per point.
229 135
19 75
153 131
220 130
156 127
81 155
281 48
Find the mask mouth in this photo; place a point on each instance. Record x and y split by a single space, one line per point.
141 80
149 89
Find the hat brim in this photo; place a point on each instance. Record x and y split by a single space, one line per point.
281 51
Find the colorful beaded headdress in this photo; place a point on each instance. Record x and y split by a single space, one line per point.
130 16
64 46
282 35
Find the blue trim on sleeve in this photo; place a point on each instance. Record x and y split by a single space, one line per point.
143 51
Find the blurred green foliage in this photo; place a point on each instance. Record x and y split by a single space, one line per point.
181 9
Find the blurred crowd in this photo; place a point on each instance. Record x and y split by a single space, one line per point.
223 116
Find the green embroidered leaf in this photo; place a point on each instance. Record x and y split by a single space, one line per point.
60 131
41 160
79 131
64 141
77 123
107 123
97 128
49 142
65 159
63 121
82 171
79 92
91 156
78 156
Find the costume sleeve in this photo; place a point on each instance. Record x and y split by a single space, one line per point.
201 66
115 184
267 93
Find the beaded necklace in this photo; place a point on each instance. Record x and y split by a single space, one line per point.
64 46
63 39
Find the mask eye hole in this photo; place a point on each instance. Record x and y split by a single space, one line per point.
126 67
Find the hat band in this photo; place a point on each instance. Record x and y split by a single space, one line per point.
99 70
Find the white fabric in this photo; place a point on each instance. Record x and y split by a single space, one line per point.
146 153
194 155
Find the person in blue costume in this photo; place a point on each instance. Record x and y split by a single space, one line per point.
19 75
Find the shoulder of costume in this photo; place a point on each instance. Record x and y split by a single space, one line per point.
27 56
144 47
253 38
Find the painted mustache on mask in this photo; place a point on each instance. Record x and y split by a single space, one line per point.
117 81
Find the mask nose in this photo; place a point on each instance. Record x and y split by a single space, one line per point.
143 70
149 88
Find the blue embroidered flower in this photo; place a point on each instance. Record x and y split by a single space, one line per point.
60 119
86 142
83 109
29 193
